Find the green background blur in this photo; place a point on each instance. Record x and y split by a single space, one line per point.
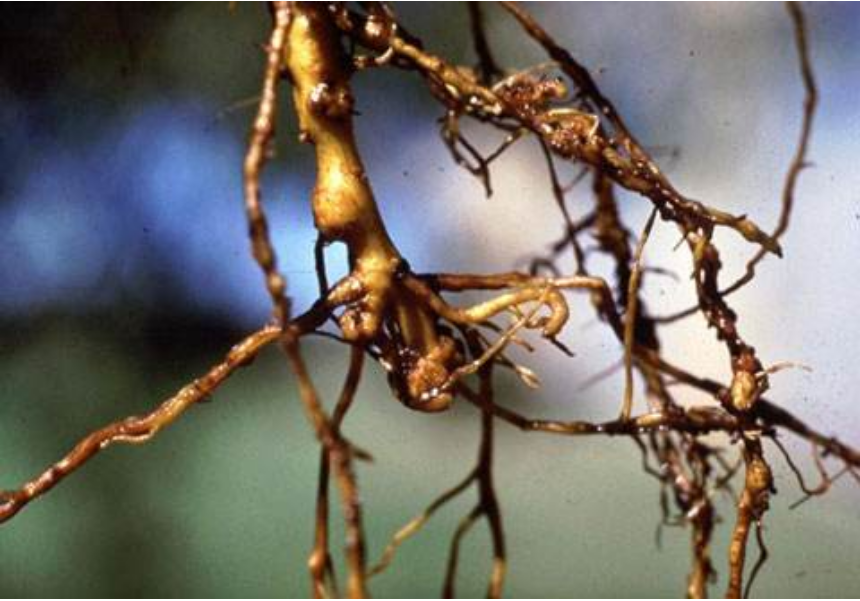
126 274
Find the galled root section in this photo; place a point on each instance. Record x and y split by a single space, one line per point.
435 351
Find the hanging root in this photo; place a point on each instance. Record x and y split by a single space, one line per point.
138 430
753 503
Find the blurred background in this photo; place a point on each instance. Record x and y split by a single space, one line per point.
125 271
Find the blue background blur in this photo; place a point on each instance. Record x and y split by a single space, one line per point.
125 271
